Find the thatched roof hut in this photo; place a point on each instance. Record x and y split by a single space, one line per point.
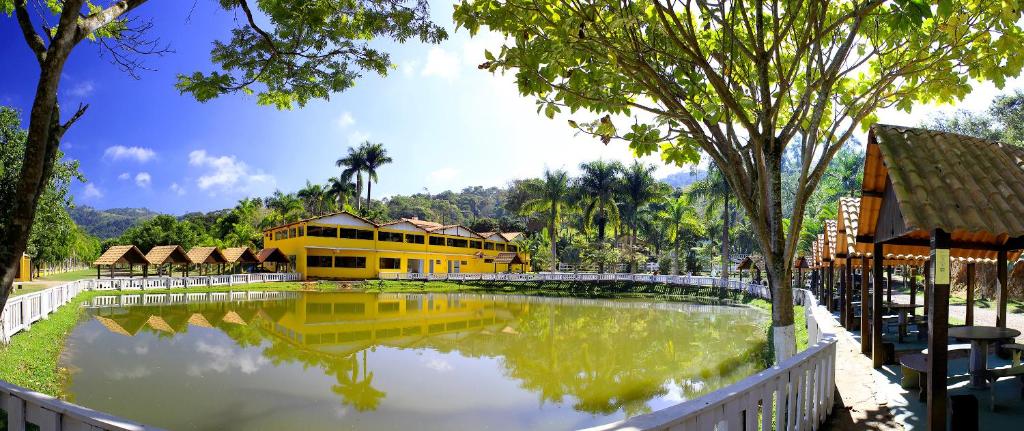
122 254
240 255
163 254
207 255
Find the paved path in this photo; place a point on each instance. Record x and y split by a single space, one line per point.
859 405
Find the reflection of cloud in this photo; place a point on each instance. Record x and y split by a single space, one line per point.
439 365
138 371
141 349
221 359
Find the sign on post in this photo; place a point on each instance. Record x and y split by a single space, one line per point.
940 266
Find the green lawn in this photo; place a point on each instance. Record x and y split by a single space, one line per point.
71 275
26 288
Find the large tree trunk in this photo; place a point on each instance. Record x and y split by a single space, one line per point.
675 258
553 237
369 185
725 238
777 261
44 133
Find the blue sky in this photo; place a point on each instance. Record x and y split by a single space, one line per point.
446 124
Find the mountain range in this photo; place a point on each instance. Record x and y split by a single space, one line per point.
108 223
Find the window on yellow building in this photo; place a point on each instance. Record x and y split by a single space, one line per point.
413 239
356 234
512 248
488 246
292 234
390 263
437 240
301 231
389 236
322 231
318 261
475 244
349 262
453 242
500 247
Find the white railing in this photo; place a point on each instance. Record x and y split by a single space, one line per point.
51 414
796 394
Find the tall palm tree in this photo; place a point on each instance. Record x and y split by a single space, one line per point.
597 186
637 188
340 191
547 199
375 156
715 190
681 219
354 163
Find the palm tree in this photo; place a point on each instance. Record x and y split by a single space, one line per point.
597 187
375 156
637 189
354 163
715 190
681 219
547 199
314 197
340 191
286 208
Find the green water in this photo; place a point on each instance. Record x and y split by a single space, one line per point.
328 361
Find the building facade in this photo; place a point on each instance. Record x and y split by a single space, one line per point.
23 272
344 246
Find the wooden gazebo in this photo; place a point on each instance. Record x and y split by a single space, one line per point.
272 255
240 257
129 255
947 196
206 256
167 255
508 258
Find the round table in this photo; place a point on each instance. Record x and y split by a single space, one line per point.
902 310
980 337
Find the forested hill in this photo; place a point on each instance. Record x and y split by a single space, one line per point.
108 223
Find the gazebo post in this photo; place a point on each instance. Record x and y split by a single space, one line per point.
969 317
927 286
1004 288
831 285
865 309
888 284
848 301
843 300
97 272
913 285
877 353
938 330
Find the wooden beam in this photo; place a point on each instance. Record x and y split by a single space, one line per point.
913 288
888 284
969 317
831 286
938 331
871 194
877 353
1004 288
865 308
927 282
848 294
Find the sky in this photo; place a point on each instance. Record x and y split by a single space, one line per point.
446 124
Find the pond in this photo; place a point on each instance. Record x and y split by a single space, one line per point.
327 361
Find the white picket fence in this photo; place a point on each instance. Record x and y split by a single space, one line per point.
51 414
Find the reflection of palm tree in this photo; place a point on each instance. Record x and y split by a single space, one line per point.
358 391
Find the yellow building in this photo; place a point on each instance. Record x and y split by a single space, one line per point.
346 246
24 269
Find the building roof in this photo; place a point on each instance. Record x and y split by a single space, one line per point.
508 257
827 251
510 236
305 220
162 254
206 255
240 255
122 254
916 180
272 254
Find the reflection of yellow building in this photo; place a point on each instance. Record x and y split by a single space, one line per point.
23 272
345 246
343 323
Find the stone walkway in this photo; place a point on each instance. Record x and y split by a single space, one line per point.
858 405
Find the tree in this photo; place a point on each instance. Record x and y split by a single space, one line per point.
314 197
376 156
341 191
1002 121
739 81
547 199
681 220
354 163
714 189
597 187
300 51
637 188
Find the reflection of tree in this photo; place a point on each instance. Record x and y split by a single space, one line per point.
355 391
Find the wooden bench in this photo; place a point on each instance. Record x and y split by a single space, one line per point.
1015 370
914 366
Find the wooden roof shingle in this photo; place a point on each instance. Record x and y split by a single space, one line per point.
122 254
240 255
272 254
206 255
162 254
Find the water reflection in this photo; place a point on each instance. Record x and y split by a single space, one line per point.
363 360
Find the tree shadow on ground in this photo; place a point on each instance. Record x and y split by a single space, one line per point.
842 418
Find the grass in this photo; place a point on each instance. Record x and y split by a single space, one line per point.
71 275
27 288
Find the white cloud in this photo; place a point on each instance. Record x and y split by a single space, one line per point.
143 179
226 173
92 192
357 137
81 89
442 64
473 49
139 154
177 189
410 67
124 176
345 120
